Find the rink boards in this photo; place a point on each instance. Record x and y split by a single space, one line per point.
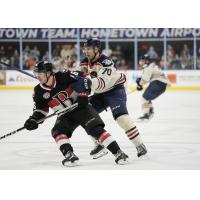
180 80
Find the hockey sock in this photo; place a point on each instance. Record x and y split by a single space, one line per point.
126 123
107 140
134 136
64 143
146 106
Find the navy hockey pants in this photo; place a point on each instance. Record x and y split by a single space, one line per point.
155 89
115 99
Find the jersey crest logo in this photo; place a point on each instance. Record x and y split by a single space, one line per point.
46 95
107 62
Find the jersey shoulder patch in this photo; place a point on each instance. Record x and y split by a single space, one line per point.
105 61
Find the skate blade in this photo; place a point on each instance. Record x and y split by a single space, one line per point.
143 157
123 162
142 120
71 164
100 154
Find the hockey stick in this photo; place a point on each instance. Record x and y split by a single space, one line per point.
17 69
59 112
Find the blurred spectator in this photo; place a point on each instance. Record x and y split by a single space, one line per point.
14 60
152 53
9 51
35 53
198 62
72 62
75 50
26 49
185 50
3 57
56 62
5 60
143 48
172 61
56 51
2 52
30 56
69 63
66 51
122 65
117 51
30 63
26 54
117 55
45 56
186 58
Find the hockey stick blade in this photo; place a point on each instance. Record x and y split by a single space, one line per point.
11 133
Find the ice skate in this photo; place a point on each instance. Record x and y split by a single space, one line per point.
71 160
144 118
121 158
98 151
151 113
147 116
141 150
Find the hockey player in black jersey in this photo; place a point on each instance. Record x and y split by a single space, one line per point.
109 92
56 91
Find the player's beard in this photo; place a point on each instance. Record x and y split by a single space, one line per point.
93 58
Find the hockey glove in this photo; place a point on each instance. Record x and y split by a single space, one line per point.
139 86
93 74
31 124
82 100
138 81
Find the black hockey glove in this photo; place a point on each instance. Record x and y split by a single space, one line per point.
138 81
82 100
139 87
31 124
93 74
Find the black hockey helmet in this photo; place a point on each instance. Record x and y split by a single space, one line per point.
92 42
43 66
145 57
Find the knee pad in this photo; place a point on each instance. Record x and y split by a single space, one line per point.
145 101
55 132
96 131
125 122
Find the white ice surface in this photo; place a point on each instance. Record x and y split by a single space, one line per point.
172 136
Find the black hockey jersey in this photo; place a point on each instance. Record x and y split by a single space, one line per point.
60 95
